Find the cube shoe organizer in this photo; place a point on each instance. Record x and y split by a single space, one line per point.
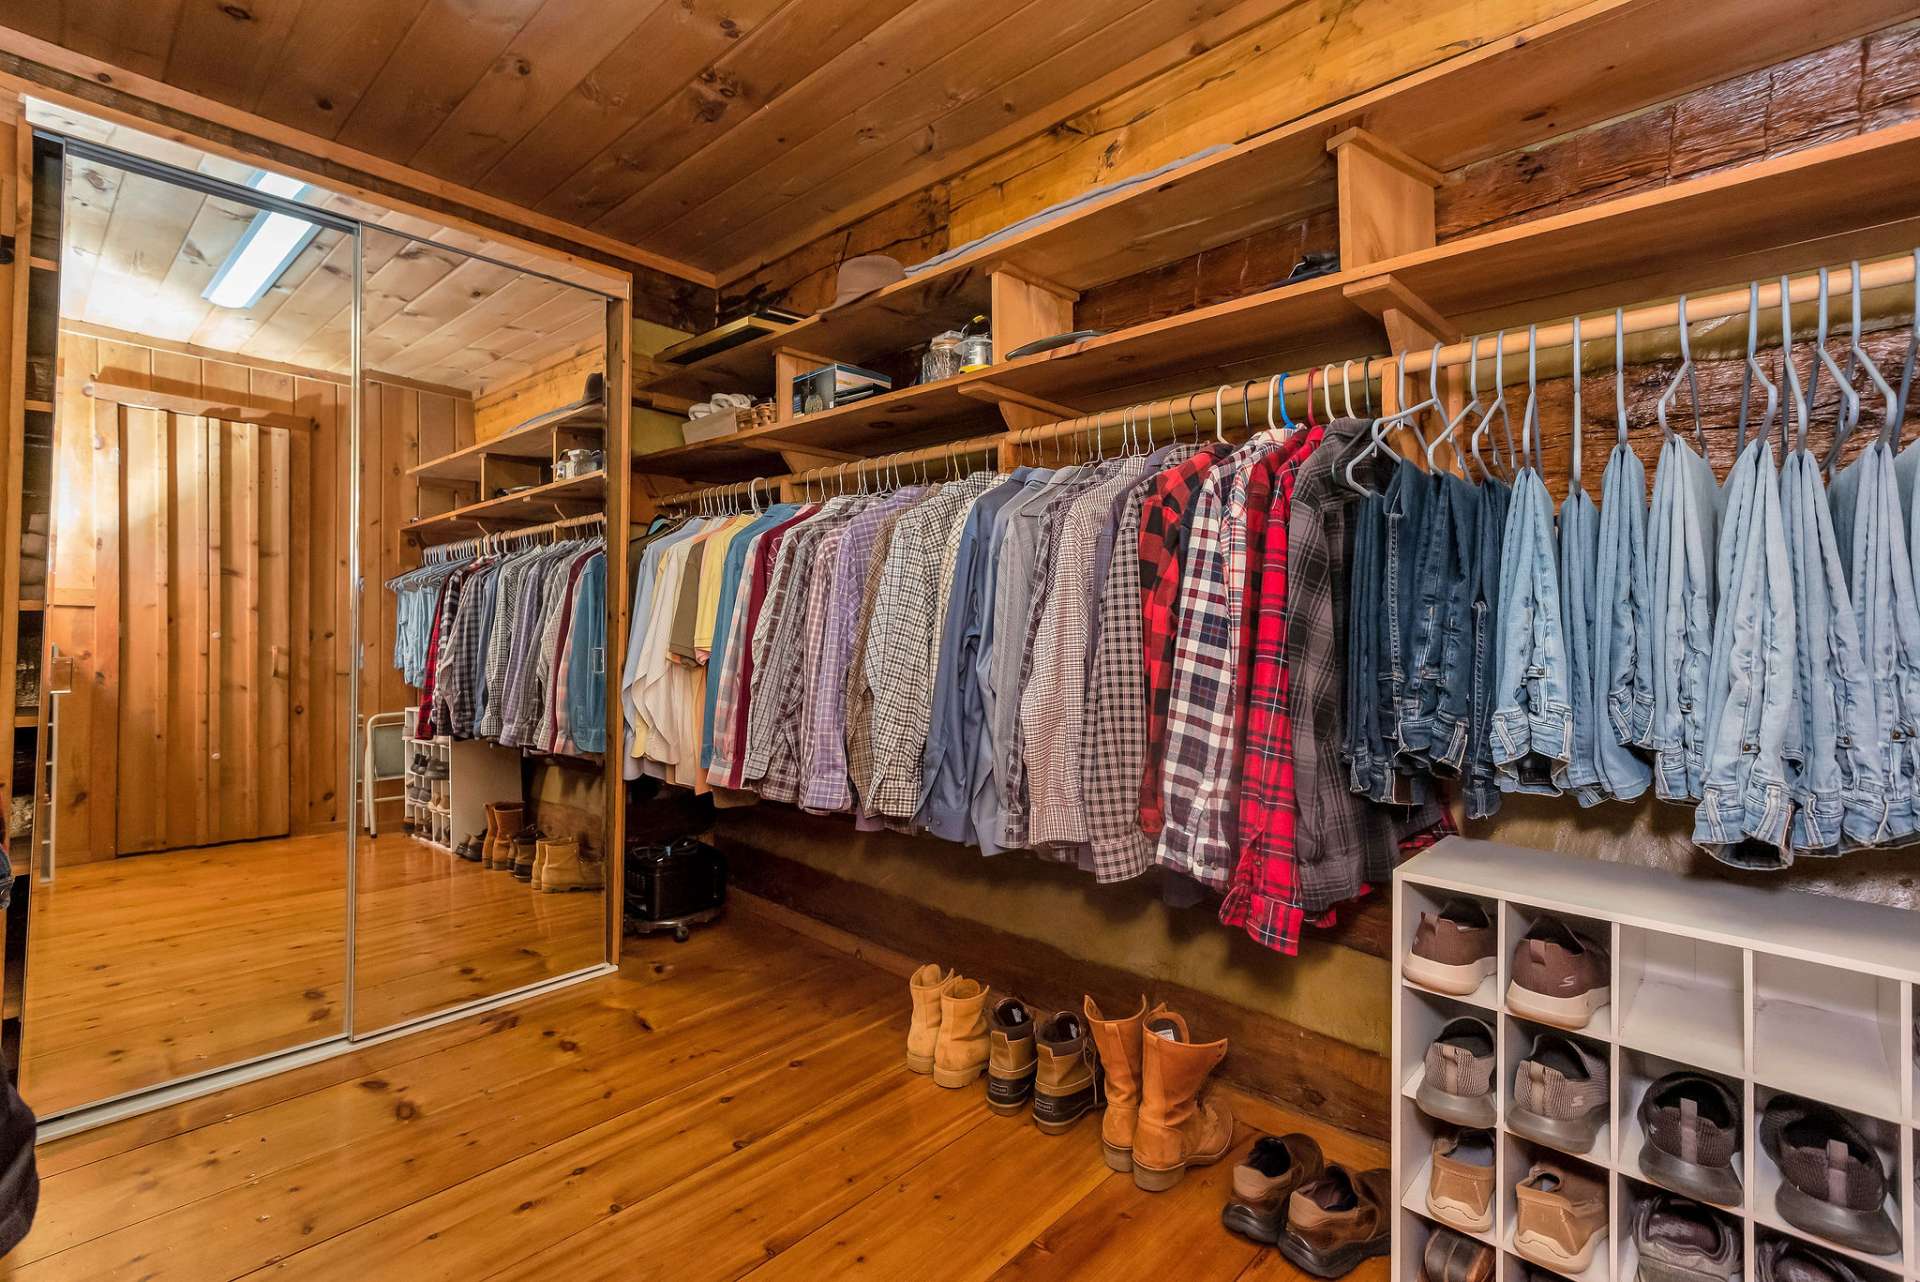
1769 990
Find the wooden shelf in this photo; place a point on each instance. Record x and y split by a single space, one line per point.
26 720
1509 93
31 606
530 440
43 264
541 503
1815 207
40 407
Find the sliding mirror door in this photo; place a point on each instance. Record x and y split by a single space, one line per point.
188 897
480 860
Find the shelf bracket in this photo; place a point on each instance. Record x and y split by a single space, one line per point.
1018 409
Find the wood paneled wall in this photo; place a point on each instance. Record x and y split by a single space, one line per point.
320 660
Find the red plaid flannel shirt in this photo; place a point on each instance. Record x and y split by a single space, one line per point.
1163 537
1264 898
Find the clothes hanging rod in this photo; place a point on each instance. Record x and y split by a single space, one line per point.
1885 286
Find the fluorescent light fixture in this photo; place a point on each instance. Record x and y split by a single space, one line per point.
270 244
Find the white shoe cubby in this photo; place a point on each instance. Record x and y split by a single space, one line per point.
1769 991
455 807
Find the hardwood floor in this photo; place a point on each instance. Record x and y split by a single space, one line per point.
149 968
734 1106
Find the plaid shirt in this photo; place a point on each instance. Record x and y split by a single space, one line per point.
859 712
1203 726
903 640
730 736
1264 898
1162 544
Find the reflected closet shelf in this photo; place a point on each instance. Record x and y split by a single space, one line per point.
574 496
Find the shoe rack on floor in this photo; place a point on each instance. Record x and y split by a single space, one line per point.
1768 990
455 807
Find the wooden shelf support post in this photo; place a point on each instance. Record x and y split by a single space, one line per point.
1026 307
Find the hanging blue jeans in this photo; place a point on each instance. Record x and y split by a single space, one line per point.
1833 766
1680 545
1579 551
1745 808
1883 592
1622 625
1482 787
1532 719
1440 707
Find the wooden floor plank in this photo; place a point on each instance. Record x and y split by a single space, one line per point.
733 1107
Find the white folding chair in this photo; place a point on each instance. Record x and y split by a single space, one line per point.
385 762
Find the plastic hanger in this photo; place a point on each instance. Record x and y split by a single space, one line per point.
1849 411
1346 372
1792 374
1499 406
1401 418
1445 434
1913 350
1890 420
1753 371
1687 372
1620 376
1529 416
1473 405
1312 422
1282 402
1573 470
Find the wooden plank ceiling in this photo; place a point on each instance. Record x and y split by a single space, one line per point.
138 253
701 130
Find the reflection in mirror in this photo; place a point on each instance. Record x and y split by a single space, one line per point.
188 894
480 865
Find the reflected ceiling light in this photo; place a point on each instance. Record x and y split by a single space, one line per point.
270 244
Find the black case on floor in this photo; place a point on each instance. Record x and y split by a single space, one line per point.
674 885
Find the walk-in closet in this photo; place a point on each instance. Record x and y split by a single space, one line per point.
958 643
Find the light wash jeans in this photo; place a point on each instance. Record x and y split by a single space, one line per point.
1622 630
1579 553
1680 539
1833 768
1532 720
1882 586
1745 808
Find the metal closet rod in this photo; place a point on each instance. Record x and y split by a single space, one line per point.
1552 346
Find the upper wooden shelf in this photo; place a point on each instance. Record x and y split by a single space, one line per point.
532 439
538 503
1815 207
1586 66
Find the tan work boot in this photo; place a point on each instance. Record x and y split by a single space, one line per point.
1177 1128
504 819
525 855
1118 1042
923 1032
960 1052
569 867
1009 1057
512 846
1067 1085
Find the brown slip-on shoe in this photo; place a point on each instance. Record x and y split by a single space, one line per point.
1692 1128
1177 1128
1460 1181
1558 977
1561 1218
1010 1058
472 848
1453 949
1337 1221
1066 1084
1785 1259
1277 1165
960 1052
1680 1240
923 1027
1832 1184
1455 1257
1560 1094
1118 1044
1456 1083
569 867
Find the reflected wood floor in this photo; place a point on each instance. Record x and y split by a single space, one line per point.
735 1106
154 967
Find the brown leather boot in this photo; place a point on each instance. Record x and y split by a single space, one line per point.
1067 1085
923 1030
1118 1042
504 819
1009 1057
570 867
960 1052
1177 1128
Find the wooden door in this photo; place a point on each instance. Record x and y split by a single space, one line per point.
205 600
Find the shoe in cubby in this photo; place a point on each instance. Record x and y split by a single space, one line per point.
1448 1053
1454 947
1785 1257
1683 999
1665 1237
1557 1212
1825 1174
1559 970
1682 1129
1558 1090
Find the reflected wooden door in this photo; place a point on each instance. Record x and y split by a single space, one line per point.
204 605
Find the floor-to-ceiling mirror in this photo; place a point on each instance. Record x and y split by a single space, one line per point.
481 866
189 896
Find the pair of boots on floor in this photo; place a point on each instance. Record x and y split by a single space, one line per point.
551 864
1145 1069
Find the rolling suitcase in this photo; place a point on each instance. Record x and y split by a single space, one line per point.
674 885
